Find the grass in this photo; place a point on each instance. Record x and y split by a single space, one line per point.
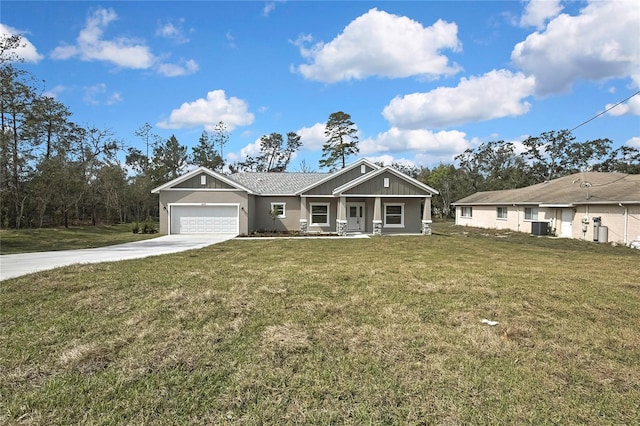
53 239
364 331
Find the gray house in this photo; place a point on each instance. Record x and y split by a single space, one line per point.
361 198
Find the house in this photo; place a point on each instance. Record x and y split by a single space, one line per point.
574 206
360 198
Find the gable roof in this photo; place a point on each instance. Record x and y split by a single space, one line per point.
602 188
196 172
286 183
380 171
330 176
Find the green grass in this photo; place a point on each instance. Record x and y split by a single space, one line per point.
53 239
364 331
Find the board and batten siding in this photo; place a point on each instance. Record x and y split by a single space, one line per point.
196 182
397 186
327 187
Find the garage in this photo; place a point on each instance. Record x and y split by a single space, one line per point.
204 219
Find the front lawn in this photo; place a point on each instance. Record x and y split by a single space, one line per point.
358 331
54 239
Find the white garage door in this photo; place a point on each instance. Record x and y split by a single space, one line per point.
204 219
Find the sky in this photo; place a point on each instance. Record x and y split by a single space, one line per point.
422 80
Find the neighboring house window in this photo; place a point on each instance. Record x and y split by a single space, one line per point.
320 214
501 213
394 215
530 213
279 210
466 211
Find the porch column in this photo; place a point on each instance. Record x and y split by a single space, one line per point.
377 216
426 217
341 216
304 224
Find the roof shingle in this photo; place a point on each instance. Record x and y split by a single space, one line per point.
277 183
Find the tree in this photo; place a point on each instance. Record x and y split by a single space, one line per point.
274 155
169 161
625 159
205 155
342 140
221 138
144 132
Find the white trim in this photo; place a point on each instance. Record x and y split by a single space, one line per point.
378 195
284 209
195 172
311 222
352 184
384 215
171 205
338 173
204 190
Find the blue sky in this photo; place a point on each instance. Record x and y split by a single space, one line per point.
422 80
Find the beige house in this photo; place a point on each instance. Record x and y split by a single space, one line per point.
361 198
574 206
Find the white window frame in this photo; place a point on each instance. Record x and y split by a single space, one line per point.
466 211
532 212
385 182
394 225
504 210
203 180
283 215
311 206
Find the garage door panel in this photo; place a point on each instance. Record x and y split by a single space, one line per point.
204 219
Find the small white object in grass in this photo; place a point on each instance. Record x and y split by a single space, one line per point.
489 322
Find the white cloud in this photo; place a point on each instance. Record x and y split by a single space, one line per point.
634 142
90 46
313 137
498 93
441 143
381 44
599 43
631 107
209 112
185 67
99 95
54 92
26 50
538 12
123 52
173 32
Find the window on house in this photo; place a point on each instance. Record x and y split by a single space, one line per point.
466 211
394 215
386 182
530 213
501 213
279 210
363 169
319 214
203 179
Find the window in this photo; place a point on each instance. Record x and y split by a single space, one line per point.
386 182
530 213
203 180
394 215
501 213
363 169
466 211
278 210
319 214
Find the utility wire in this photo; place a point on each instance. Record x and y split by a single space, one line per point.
605 111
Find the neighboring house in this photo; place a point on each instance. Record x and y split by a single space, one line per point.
363 197
567 206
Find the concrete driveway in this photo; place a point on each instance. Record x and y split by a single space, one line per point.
15 265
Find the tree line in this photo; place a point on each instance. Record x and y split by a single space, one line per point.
55 172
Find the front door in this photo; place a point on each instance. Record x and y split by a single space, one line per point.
566 226
355 217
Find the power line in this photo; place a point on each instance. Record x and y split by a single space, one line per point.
605 111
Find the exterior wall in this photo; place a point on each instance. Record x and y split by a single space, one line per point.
412 215
613 217
397 186
264 221
333 213
327 187
203 196
211 183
